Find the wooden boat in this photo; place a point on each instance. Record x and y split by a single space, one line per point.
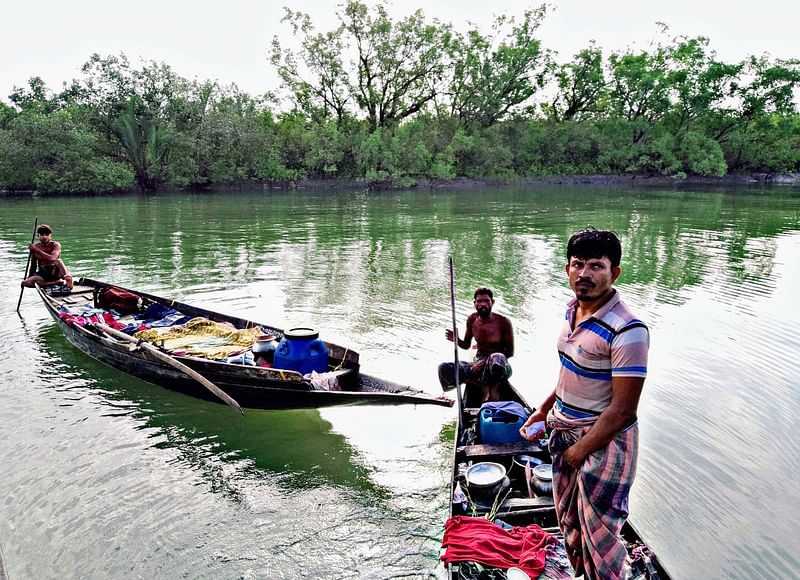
514 506
251 386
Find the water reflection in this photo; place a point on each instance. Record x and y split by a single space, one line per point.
713 273
297 448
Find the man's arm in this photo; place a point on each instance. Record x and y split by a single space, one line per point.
508 338
43 256
625 393
467 341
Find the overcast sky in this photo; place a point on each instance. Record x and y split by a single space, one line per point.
228 41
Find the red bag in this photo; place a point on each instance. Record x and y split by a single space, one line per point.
111 298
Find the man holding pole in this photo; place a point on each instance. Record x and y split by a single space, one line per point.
47 253
494 337
592 410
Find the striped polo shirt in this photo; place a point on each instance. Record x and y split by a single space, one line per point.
610 343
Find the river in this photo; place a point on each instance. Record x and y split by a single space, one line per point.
104 476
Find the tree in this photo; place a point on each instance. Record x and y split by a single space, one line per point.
393 73
56 152
330 94
493 74
582 89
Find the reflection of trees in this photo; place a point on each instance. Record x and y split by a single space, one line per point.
377 253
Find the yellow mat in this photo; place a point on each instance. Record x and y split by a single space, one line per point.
201 337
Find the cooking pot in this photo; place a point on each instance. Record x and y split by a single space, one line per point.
520 461
485 475
542 479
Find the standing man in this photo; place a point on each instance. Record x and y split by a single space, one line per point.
592 411
494 337
47 253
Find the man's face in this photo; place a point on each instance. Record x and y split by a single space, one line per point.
483 305
591 278
44 237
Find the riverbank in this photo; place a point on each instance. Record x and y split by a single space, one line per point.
619 180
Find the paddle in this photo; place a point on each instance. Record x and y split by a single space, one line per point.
164 357
28 265
455 342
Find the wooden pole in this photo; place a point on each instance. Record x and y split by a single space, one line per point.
455 345
164 357
28 265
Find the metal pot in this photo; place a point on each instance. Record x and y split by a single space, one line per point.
542 479
520 461
485 475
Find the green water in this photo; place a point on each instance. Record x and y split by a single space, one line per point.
104 476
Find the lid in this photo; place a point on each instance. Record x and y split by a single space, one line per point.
265 338
544 471
301 333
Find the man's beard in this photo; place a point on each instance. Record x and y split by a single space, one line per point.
484 312
585 291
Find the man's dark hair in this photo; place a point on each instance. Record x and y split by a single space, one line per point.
483 291
592 243
44 229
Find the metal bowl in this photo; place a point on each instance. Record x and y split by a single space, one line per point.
485 475
521 460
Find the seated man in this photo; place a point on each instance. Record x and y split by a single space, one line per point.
494 337
47 253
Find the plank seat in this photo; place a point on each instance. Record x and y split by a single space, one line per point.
482 450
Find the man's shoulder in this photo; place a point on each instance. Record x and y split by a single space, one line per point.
502 319
620 317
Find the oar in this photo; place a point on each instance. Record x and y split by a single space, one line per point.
28 265
455 342
164 357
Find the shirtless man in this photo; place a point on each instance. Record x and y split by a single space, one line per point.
47 253
494 337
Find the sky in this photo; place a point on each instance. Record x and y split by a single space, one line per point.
229 41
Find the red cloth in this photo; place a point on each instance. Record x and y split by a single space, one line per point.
468 539
108 319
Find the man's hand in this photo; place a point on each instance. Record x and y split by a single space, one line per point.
573 457
448 334
536 417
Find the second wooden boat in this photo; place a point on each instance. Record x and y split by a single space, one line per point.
512 501
251 386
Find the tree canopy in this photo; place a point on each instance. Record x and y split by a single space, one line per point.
402 99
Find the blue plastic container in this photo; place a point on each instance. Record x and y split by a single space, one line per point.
498 428
301 350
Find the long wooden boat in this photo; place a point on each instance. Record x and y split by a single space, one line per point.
515 506
251 386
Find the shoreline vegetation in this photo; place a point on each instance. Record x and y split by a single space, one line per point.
381 103
736 181
463 183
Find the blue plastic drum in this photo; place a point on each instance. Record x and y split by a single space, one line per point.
301 350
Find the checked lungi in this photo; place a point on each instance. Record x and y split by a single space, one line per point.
592 501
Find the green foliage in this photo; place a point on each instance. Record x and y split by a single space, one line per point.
582 90
494 74
701 155
404 99
56 153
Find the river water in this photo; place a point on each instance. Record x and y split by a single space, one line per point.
104 476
